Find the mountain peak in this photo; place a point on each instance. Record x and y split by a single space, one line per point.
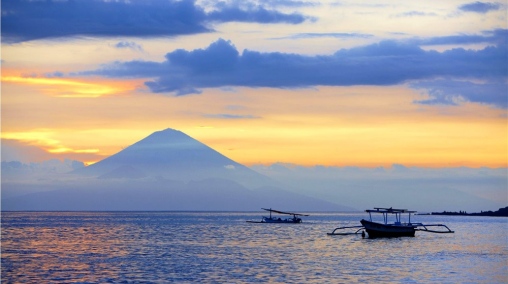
168 138
169 132
174 155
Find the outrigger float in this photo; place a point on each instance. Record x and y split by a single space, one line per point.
385 229
293 220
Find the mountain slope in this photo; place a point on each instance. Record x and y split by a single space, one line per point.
168 170
174 155
163 195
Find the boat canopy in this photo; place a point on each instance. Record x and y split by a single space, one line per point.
386 211
282 212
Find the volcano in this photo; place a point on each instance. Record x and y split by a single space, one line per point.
172 154
168 170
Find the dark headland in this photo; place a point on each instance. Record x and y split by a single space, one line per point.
502 212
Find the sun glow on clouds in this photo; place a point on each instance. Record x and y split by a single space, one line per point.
66 88
44 139
364 126
420 123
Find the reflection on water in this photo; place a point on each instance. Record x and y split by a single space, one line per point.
195 247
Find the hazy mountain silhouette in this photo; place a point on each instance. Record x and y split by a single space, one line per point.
172 154
164 195
167 170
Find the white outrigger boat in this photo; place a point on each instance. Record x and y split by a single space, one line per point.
293 220
385 229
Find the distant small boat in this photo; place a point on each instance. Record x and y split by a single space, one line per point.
271 219
385 229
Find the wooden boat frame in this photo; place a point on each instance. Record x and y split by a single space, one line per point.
385 229
270 219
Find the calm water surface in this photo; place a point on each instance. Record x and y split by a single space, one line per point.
211 247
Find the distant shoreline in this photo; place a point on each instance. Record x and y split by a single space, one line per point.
502 212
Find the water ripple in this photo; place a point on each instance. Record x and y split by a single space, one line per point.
190 247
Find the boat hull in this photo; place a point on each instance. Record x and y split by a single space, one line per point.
279 220
378 230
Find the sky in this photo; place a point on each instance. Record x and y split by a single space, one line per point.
331 83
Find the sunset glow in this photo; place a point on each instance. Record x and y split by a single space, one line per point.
67 88
307 88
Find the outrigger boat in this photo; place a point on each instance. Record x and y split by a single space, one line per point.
271 219
385 229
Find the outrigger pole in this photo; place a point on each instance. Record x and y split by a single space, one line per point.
347 227
417 226
432 231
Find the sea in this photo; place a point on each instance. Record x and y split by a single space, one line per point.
221 247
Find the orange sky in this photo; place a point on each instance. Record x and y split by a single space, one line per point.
342 126
88 118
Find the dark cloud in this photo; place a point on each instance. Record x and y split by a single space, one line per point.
29 20
479 7
453 92
496 37
132 69
129 45
258 15
24 20
383 63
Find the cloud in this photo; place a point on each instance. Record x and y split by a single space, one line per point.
24 20
479 7
231 116
55 85
288 3
29 20
328 35
14 150
383 63
415 14
414 187
258 15
496 37
129 45
452 92
53 165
